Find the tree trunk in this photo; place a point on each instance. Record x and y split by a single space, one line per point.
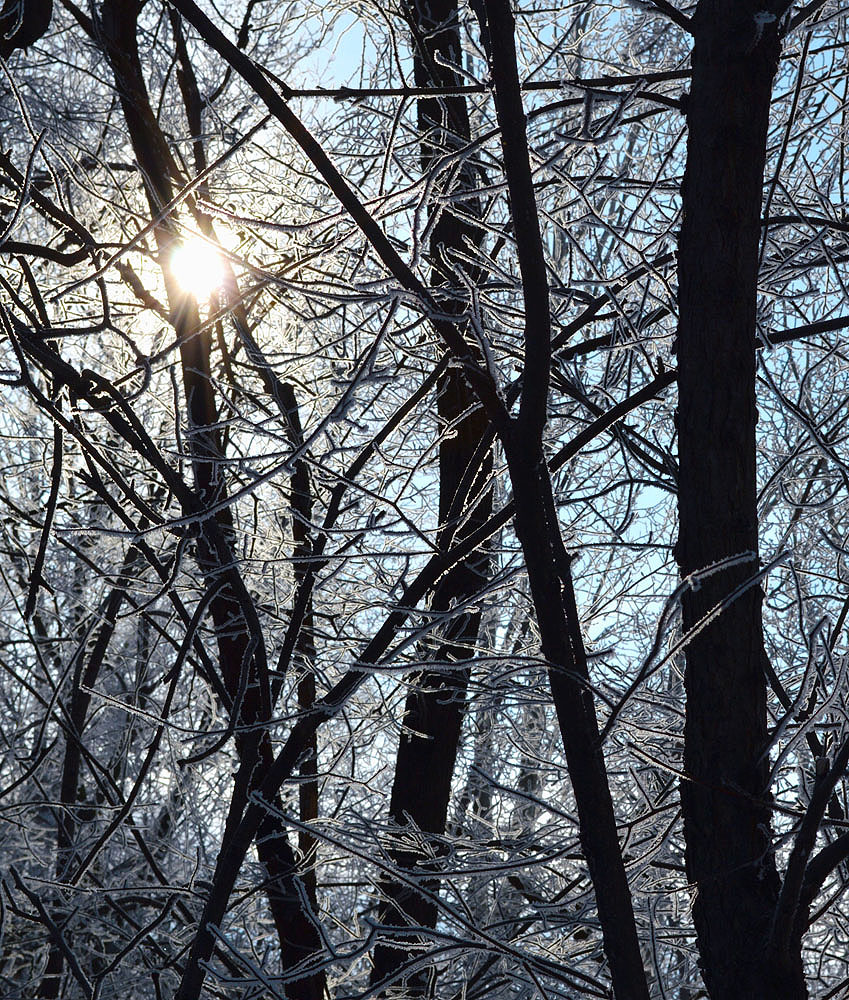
436 702
725 796
239 642
550 579
538 530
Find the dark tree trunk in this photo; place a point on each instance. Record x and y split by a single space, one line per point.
538 530
549 575
725 797
436 703
23 23
240 644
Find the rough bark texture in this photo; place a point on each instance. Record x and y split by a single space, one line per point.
725 798
435 706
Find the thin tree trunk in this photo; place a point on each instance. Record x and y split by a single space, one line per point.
240 645
436 702
537 527
549 575
300 491
725 796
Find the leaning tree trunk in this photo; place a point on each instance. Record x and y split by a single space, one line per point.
538 530
436 703
725 796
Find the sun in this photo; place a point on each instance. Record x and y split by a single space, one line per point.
197 267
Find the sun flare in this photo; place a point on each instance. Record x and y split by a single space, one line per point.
197 267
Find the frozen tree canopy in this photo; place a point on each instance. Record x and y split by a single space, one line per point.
425 501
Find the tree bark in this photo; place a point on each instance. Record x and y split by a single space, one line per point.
725 797
538 530
436 702
238 638
23 23
550 578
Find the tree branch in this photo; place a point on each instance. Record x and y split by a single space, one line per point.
788 909
672 12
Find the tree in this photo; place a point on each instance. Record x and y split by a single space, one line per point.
367 602
434 708
729 844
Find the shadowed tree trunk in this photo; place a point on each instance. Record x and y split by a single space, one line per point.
725 797
23 23
238 637
538 530
436 702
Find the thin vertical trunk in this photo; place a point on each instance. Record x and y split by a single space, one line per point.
538 530
549 575
300 493
240 645
436 703
725 796
300 504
